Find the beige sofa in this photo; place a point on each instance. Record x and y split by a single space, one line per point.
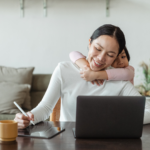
39 85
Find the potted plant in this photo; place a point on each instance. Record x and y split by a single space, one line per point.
144 87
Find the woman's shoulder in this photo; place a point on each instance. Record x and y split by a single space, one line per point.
67 71
65 64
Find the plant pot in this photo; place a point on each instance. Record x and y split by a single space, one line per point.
147 93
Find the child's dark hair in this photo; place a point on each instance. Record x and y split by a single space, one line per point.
127 53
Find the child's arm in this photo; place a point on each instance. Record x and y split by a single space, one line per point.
89 75
121 73
79 59
110 74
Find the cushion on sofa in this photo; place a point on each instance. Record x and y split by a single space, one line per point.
10 92
19 76
16 75
39 86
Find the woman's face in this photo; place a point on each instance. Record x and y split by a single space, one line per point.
102 52
121 61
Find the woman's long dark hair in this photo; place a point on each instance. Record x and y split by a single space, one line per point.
112 31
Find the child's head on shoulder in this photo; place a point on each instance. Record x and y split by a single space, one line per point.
122 60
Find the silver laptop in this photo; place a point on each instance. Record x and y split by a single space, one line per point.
109 116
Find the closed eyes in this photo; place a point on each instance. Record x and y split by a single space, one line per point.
107 54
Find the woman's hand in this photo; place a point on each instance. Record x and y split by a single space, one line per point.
22 120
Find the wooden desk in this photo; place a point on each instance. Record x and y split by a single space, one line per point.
66 141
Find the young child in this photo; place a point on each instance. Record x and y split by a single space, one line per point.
120 69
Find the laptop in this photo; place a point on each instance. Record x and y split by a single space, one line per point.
109 117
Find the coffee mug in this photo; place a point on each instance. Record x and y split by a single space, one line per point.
8 130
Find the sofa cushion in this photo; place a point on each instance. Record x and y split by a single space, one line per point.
19 76
16 75
10 92
36 98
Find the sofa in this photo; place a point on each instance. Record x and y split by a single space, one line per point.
38 88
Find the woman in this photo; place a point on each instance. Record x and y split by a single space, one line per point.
104 46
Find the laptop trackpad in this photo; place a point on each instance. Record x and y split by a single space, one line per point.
74 133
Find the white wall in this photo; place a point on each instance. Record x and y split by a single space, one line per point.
44 41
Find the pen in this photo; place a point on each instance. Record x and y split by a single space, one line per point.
23 111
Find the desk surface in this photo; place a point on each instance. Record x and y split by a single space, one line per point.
66 141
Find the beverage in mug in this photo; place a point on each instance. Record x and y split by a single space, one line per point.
8 130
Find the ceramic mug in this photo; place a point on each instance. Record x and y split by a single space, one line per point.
8 130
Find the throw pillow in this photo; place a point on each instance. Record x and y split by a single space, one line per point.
10 92
16 75
19 76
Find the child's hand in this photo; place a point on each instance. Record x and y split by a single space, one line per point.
87 74
98 82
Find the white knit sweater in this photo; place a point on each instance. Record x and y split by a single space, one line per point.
67 84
